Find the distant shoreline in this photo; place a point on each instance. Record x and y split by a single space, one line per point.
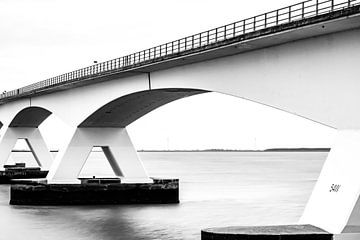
228 150
234 150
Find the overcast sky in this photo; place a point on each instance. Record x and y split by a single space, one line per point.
44 38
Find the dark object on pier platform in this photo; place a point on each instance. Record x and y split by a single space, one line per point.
20 171
281 232
104 191
99 180
13 166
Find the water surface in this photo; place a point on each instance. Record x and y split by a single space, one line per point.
216 189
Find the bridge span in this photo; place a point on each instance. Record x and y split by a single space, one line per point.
301 59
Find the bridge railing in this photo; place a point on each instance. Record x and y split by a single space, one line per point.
203 40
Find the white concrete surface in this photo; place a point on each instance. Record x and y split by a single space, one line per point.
337 190
117 147
315 78
35 141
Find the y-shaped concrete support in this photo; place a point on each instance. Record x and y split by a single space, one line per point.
334 203
35 141
117 147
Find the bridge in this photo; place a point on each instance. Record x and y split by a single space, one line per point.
301 59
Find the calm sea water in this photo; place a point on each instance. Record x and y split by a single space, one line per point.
216 189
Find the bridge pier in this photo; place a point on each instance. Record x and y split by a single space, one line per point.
131 185
117 147
334 204
34 140
37 146
333 210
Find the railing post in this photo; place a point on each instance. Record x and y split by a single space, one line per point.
216 34
234 29
317 7
277 17
349 3
192 43
254 23
208 37
265 24
244 28
303 10
289 13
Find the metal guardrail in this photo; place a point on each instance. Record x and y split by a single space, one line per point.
296 12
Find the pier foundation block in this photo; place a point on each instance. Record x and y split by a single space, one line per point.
20 171
96 191
284 232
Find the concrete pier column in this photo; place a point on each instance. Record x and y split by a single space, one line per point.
334 203
34 140
118 150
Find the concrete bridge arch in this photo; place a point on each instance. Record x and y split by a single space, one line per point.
126 109
315 78
30 117
24 125
307 78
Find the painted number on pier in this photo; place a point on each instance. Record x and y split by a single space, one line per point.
335 187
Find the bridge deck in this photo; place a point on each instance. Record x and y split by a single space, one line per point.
303 20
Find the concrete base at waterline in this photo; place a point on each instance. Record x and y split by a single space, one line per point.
19 171
282 232
161 191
